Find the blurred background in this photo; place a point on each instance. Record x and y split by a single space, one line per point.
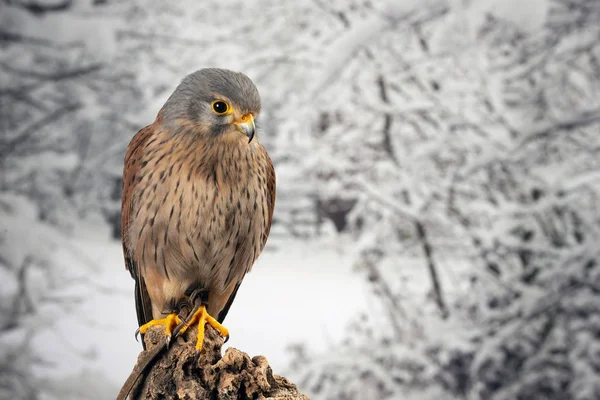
437 225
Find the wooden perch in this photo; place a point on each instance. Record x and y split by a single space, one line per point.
180 374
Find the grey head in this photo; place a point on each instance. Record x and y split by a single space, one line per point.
194 101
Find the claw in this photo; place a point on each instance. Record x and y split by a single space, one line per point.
169 322
137 334
174 326
202 317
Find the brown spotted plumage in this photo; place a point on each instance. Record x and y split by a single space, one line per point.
198 196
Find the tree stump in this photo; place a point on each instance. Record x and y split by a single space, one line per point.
180 373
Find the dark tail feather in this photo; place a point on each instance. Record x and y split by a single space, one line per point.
225 309
143 306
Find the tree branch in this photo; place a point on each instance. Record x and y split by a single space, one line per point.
53 76
9 146
428 252
39 8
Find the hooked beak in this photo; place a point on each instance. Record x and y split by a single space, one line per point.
246 126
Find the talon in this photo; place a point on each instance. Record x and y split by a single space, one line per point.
215 324
170 321
168 341
202 317
226 339
137 334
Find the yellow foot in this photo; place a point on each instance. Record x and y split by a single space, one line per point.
170 322
202 317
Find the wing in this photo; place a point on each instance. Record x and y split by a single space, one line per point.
143 305
270 171
270 199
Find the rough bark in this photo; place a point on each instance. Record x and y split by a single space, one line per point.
181 373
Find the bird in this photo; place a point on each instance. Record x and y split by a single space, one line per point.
197 202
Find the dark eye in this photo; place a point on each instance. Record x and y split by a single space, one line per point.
220 107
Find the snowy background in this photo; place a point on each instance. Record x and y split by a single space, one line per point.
437 226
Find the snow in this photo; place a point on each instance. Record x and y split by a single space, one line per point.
475 120
531 15
65 28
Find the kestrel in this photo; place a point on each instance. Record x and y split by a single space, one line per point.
198 198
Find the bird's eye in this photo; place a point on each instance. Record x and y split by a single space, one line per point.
220 107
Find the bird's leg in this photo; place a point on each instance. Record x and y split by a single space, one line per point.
202 317
170 321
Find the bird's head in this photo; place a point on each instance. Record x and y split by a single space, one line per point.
213 103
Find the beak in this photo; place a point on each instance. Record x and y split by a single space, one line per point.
246 126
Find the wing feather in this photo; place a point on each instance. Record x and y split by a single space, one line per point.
271 186
134 150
